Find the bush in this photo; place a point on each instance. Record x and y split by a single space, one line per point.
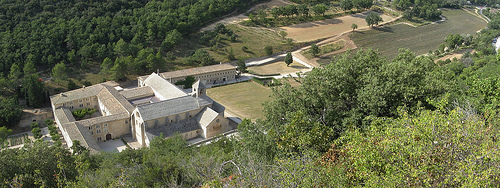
48 122
81 113
37 132
269 50
34 125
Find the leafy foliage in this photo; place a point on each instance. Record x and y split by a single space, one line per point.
10 112
81 113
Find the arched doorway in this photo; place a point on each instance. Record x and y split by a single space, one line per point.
108 136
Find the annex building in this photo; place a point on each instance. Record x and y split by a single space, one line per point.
157 107
212 74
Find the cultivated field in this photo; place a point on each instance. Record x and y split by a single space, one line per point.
278 68
420 40
326 28
243 99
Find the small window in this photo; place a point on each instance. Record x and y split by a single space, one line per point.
126 121
81 105
92 132
80 100
71 103
99 139
87 99
217 120
90 128
98 131
105 130
98 126
105 125
71 107
88 104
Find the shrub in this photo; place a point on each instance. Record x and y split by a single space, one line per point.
48 122
269 50
37 132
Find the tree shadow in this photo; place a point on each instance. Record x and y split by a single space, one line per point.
384 29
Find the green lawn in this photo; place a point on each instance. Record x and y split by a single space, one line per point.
242 99
388 40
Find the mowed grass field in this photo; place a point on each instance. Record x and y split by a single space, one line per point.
277 68
388 40
243 99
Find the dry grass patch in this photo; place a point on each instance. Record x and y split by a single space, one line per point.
277 68
326 28
243 99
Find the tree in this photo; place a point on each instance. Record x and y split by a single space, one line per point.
241 66
314 49
454 40
202 58
354 27
373 19
302 9
230 54
121 48
34 90
288 59
172 38
15 72
4 133
71 85
119 69
319 9
346 5
29 68
59 71
283 34
10 111
269 50
363 4
106 66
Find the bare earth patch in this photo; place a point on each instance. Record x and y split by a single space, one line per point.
278 67
457 55
326 28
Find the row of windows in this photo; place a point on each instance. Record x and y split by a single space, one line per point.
98 131
80 101
98 126
215 74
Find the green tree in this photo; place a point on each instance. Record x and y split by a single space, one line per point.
288 59
363 4
119 69
15 72
59 71
454 40
29 68
230 55
268 50
354 27
283 34
241 66
121 48
34 90
4 133
202 57
172 38
346 5
319 9
10 112
71 85
314 50
106 66
373 19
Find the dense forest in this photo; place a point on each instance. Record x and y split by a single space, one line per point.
47 32
362 120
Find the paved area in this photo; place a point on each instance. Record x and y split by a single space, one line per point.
131 142
113 146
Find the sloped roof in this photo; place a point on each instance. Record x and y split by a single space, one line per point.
162 88
171 129
206 116
137 92
64 115
171 107
114 102
197 70
80 133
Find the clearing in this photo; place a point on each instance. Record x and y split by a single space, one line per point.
243 99
278 67
420 40
326 28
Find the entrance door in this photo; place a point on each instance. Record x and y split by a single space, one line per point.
108 136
